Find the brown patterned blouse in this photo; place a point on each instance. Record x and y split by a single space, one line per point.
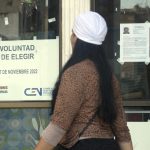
77 100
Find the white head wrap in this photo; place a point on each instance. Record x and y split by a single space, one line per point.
90 27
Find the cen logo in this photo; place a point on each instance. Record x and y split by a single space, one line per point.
33 91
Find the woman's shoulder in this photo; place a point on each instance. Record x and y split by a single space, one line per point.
83 68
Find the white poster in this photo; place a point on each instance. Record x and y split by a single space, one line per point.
28 69
140 135
134 42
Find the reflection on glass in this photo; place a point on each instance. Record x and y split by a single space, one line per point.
135 11
135 77
134 83
29 19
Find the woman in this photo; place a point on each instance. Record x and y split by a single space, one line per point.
87 96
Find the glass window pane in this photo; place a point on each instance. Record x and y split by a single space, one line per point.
133 76
22 20
29 19
31 28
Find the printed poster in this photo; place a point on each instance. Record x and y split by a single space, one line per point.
134 42
29 69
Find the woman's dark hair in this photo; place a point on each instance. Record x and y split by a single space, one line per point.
95 53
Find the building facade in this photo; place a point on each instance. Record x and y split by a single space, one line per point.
34 46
